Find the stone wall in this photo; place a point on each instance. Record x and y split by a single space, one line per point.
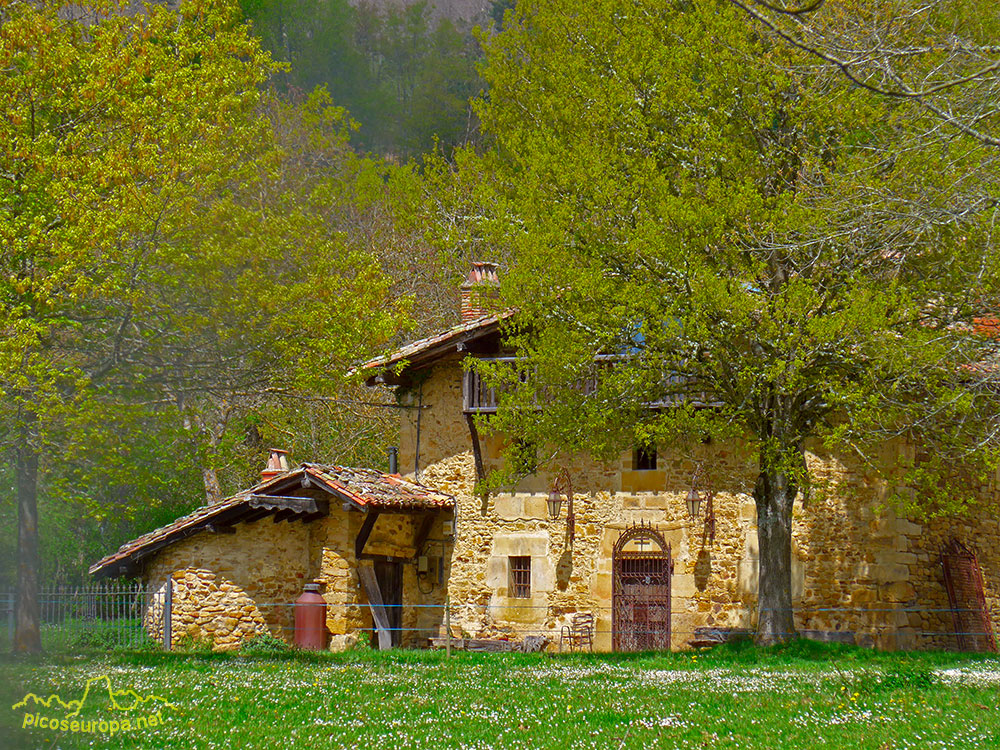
348 614
858 570
227 587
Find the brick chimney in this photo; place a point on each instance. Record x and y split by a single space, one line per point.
277 464
480 289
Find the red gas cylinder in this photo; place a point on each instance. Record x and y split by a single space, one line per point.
310 619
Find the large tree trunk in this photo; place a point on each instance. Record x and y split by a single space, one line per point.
27 634
774 494
213 490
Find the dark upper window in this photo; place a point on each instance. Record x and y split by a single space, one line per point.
519 584
644 459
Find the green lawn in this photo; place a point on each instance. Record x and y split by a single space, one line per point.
802 695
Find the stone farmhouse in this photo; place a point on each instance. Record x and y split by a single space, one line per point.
653 558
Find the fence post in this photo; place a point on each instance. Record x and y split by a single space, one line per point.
168 613
447 627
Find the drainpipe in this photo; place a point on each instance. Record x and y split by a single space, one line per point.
393 460
416 453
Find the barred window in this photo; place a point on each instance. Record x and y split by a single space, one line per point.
519 585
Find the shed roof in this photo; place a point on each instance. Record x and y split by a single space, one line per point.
364 489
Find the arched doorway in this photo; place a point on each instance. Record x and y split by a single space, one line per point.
640 591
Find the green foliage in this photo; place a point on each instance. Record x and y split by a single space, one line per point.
364 642
117 636
904 676
691 213
196 645
187 262
769 241
263 644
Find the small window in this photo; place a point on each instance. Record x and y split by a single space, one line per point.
644 459
519 585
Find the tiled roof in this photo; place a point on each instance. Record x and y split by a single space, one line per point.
373 489
431 346
367 489
182 528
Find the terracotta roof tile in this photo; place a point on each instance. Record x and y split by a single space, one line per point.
174 532
373 489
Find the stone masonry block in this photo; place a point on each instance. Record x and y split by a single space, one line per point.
890 572
496 572
543 576
509 507
536 506
683 586
533 543
902 526
602 586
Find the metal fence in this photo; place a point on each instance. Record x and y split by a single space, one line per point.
102 617
126 617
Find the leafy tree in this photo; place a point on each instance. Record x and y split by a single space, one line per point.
941 55
730 227
279 289
131 470
161 251
110 123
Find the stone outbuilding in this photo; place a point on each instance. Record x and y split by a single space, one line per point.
237 566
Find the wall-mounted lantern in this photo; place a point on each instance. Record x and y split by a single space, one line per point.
694 501
562 485
554 503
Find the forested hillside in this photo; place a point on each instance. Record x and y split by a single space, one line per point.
405 72
456 10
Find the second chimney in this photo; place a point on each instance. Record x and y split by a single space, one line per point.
479 290
277 464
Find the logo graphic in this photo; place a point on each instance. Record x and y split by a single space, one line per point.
129 710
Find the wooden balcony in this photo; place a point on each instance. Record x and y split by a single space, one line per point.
478 398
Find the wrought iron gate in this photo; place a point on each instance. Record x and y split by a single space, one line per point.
964 581
642 567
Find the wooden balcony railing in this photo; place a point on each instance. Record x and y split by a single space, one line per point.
478 398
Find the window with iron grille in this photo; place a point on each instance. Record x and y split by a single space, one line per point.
644 459
519 585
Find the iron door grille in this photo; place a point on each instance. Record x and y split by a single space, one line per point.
641 592
964 581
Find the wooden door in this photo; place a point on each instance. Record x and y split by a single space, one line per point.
389 575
